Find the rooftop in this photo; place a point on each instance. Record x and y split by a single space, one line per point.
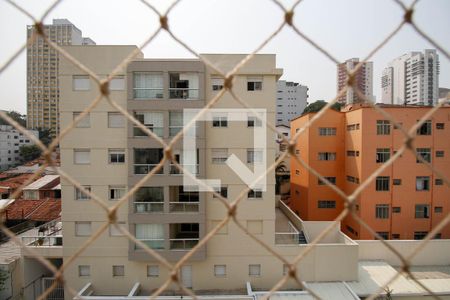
36 210
48 181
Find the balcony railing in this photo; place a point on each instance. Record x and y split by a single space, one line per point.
184 206
148 207
141 169
157 244
43 241
182 93
137 132
183 244
193 168
148 93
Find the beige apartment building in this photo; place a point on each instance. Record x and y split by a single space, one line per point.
42 73
108 155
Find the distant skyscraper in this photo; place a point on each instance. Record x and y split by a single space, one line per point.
364 80
42 73
291 101
412 78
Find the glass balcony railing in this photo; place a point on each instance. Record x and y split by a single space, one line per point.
148 207
183 244
184 206
141 169
183 93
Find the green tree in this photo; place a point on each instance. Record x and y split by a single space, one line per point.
4 275
16 116
29 152
45 135
318 105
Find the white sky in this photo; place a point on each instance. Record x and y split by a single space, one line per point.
346 28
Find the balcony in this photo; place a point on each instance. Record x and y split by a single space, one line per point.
148 207
192 168
149 200
286 233
46 240
182 201
142 169
183 93
184 236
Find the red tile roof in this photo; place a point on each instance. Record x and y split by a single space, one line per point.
36 210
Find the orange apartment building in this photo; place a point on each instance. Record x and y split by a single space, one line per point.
405 201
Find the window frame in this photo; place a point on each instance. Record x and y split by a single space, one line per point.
382 211
118 153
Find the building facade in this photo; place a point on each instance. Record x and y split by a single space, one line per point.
10 142
412 78
364 81
406 201
292 99
42 73
109 156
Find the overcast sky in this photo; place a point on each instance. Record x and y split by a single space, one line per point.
346 28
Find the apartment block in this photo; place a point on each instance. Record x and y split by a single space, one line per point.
412 78
42 73
364 81
108 155
292 99
10 142
406 201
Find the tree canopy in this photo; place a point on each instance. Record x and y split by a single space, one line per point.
318 105
16 116
29 152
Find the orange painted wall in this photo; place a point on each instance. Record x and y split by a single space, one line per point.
366 141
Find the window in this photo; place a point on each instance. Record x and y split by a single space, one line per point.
438 236
81 156
254 270
422 183
183 86
147 85
332 180
420 235
255 193
254 156
116 120
438 209
438 181
219 155
383 155
147 159
220 270
118 271
382 183
352 127
253 122
79 195
422 211
440 125
151 234
220 121
152 121
352 153
217 83
116 156
425 128
396 181
396 209
116 192
425 153
383 234
113 231
439 153
254 83
327 155
383 127
297 172
85 122
84 270
382 211
175 122
152 271
223 192
326 131
83 228
395 236
117 83
81 83
326 204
